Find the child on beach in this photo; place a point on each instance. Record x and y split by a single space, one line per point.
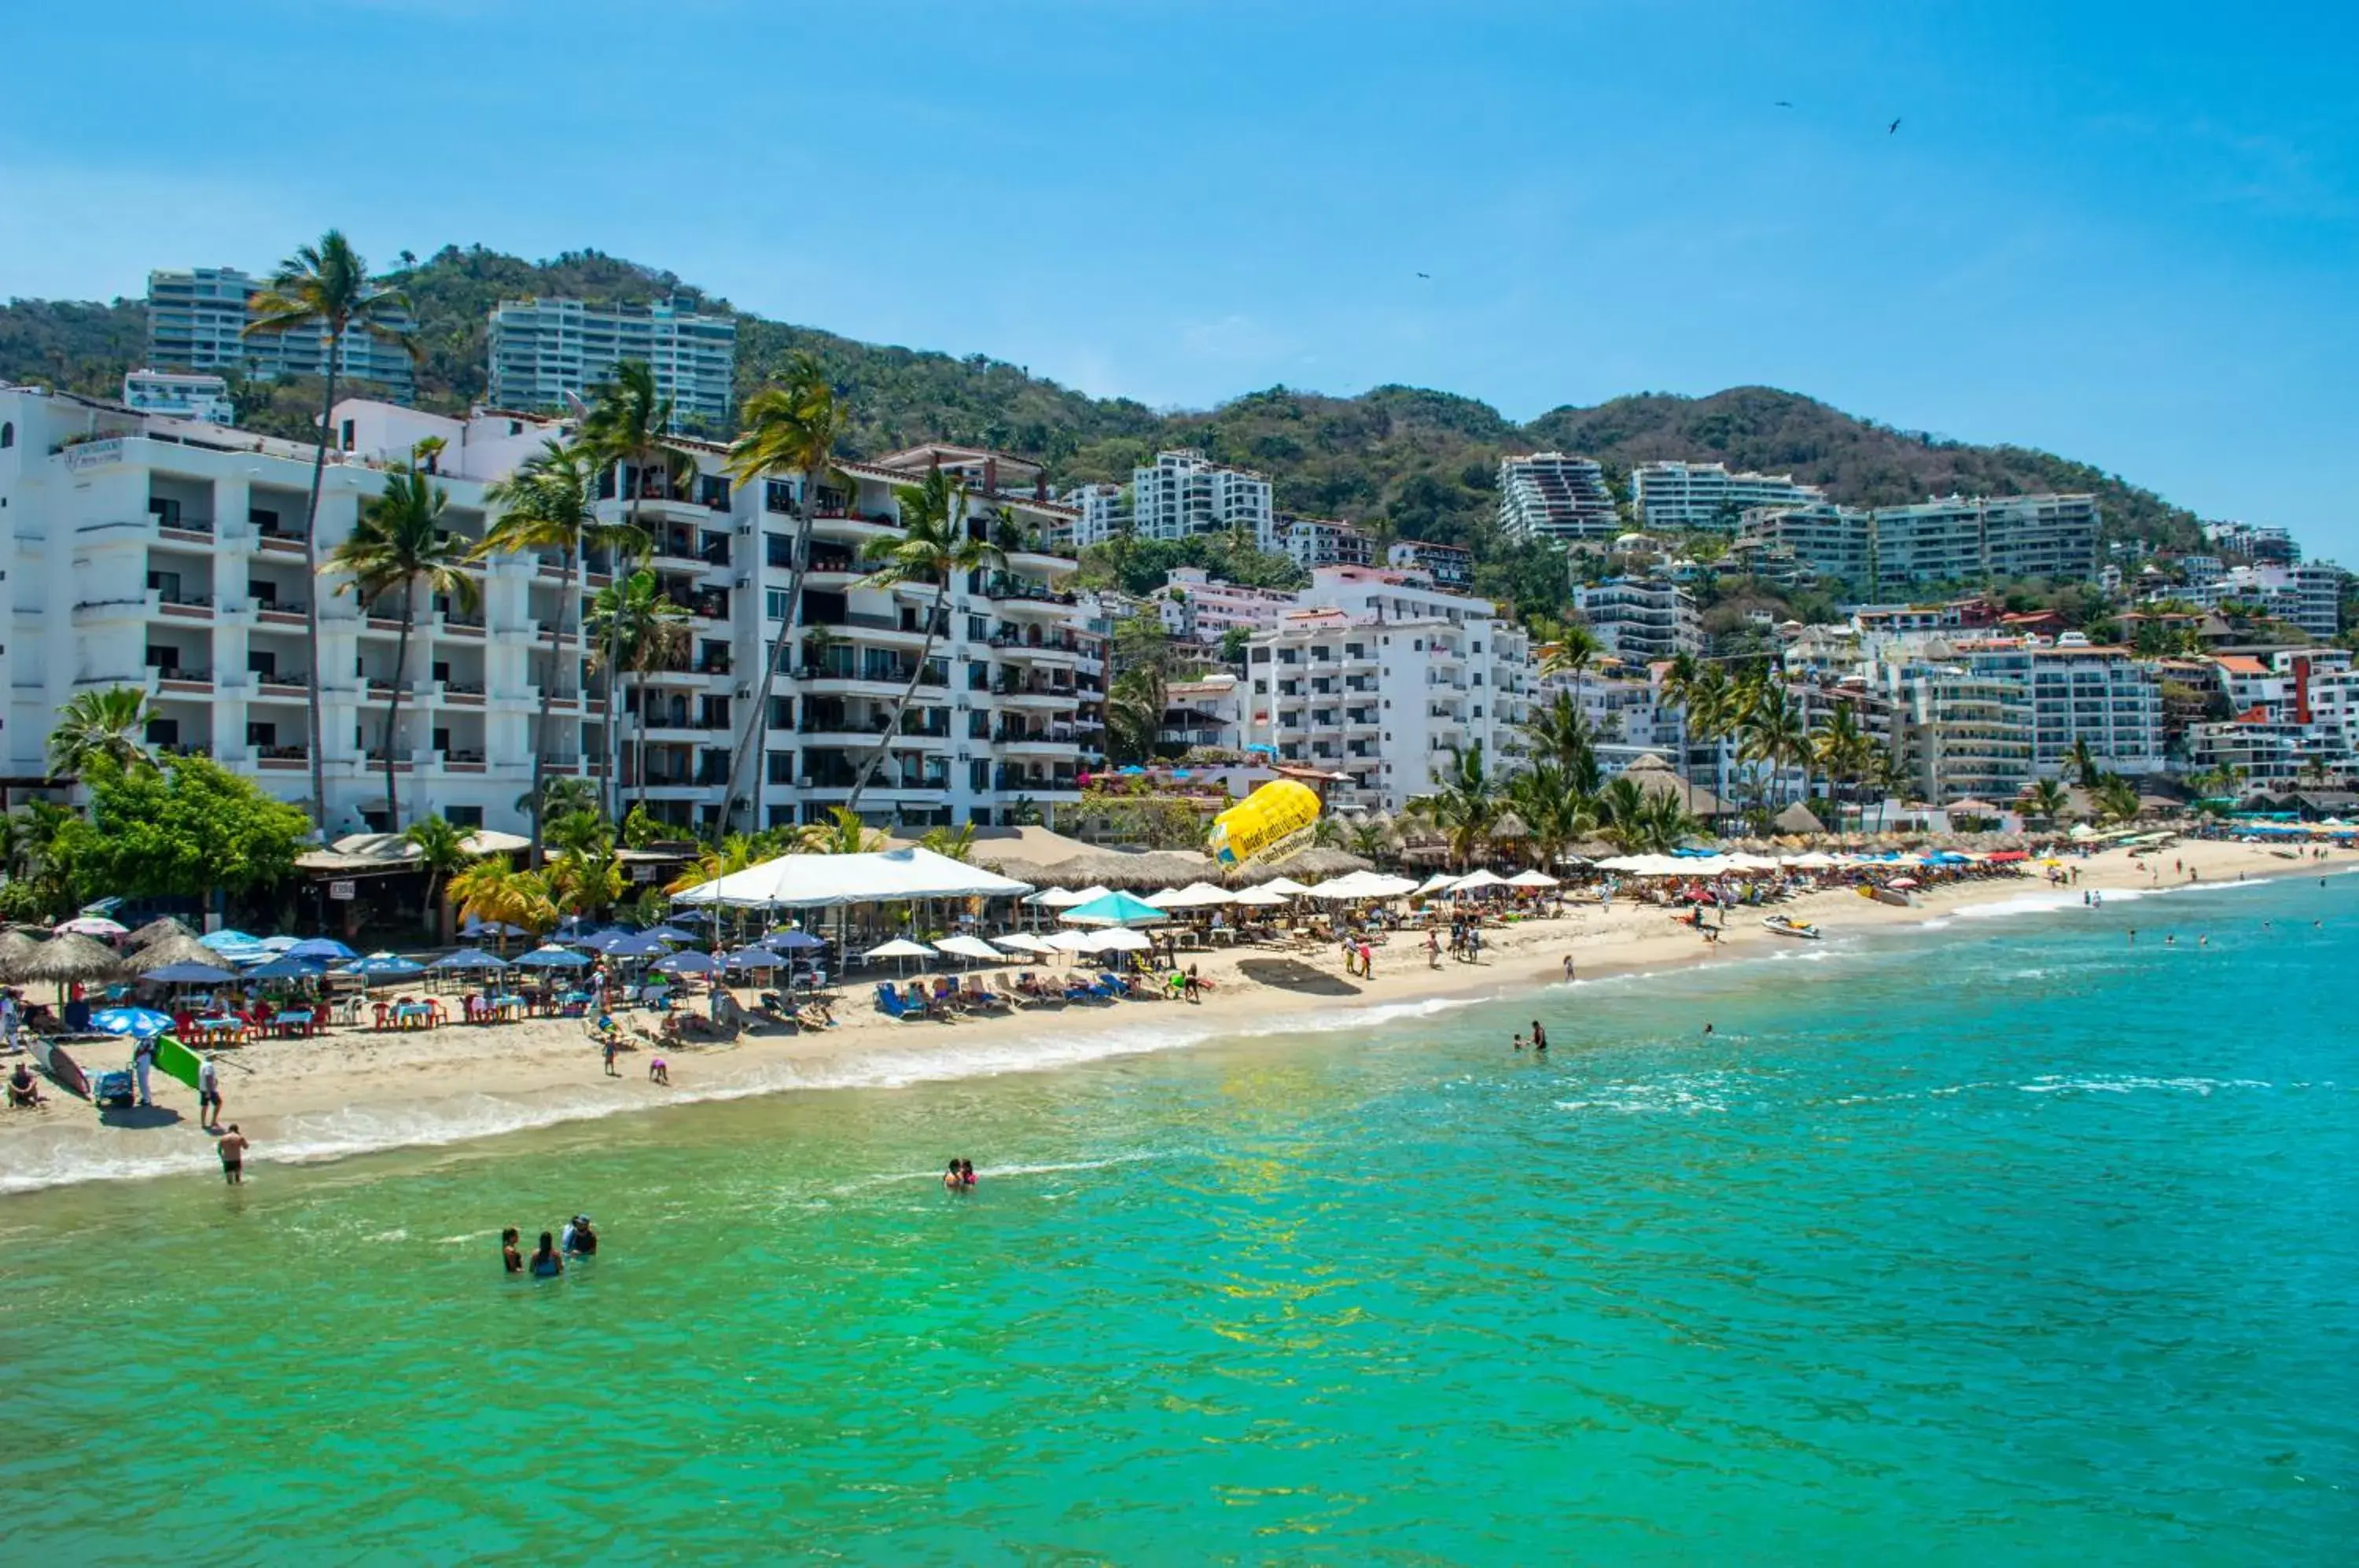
660 1072
510 1257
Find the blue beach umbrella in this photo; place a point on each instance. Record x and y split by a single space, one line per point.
142 1023
1115 909
757 957
668 934
689 963
187 975
636 947
552 957
792 942
470 958
286 968
227 941
323 947
275 944
384 966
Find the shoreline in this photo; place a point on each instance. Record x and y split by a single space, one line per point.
351 1093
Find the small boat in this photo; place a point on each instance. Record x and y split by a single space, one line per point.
1786 925
1892 896
2286 854
63 1069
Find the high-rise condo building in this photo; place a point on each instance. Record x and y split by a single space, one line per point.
1548 496
197 319
1705 498
544 351
1884 553
1184 494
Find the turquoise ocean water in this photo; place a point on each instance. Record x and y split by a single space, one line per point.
2006 1241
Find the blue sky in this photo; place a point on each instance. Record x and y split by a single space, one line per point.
2121 232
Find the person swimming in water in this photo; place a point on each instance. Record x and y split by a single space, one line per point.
546 1263
966 1172
1519 1041
510 1257
953 1179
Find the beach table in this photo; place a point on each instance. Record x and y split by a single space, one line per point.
218 1028
507 1008
413 1014
288 1022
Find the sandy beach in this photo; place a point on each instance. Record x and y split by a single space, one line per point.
350 1091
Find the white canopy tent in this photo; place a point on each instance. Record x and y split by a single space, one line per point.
826 881
900 947
1531 879
1071 941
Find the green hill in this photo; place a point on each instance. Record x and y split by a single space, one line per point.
1422 464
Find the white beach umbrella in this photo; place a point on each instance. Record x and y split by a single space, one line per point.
1631 864
1051 897
1021 941
1476 880
900 947
1160 896
1362 885
1262 898
1437 882
969 947
1285 885
1071 941
1119 939
1195 896
1531 879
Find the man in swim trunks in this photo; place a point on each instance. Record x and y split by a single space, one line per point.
233 1147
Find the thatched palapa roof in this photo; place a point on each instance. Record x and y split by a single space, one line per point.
72 957
157 930
172 949
16 949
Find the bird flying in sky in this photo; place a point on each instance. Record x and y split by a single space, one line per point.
1425 274
1783 104
1891 129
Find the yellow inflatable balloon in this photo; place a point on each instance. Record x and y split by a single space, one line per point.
1274 819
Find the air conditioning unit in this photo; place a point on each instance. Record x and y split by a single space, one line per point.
802 783
744 529
744 693
744 581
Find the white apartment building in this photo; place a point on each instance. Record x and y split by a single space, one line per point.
196 321
1101 512
1642 618
1381 678
1963 734
544 352
180 395
1195 607
1209 711
1184 494
1548 496
168 555
1450 565
1705 498
2308 596
1881 553
2100 695
2253 542
1314 542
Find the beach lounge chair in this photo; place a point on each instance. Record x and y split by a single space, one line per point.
1121 986
973 995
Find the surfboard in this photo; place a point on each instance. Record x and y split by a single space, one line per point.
61 1068
176 1061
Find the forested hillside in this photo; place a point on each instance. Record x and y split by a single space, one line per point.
1422 464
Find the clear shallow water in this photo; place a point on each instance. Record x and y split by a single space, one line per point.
2013 1241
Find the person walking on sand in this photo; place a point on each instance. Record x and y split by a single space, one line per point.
1568 966
607 1048
9 1018
143 1056
209 1100
233 1147
1368 962
1432 948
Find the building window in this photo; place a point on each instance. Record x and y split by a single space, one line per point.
7 435
463 816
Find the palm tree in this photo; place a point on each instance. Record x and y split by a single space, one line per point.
643 632
934 547
733 852
1839 748
112 722
1775 735
1558 814
1569 649
2083 762
550 502
951 843
1709 712
2048 801
1888 773
2116 798
1370 838
441 853
1464 804
796 425
492 891
1679 685
630 426
844 832
326 285
1621 814
587 881
1134 714
1560 733
559 797
400 542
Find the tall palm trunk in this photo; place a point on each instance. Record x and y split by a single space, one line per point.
757 722
613 791
311 570
568 597
392 707
901 704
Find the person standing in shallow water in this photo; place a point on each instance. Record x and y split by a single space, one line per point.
511 1257
546 1263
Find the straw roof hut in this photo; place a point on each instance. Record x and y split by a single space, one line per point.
1656 777
1306 865
1510 828
157 930
16 949
181 949
72 957
1127 868
1798 819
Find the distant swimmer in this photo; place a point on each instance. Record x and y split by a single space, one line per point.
510 1256
232 1148
1519 1041
954 1178
2133 936
1539 1035
1707 1028
580 1240
546 1264
2202 941
966 1174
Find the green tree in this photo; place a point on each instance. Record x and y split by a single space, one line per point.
1775 735
2116 798
551 502
793 427
326 285
1679 685
182 833
933 546
2047 801
643 631
441 853
1559 812
2084 763
399 542
1840 749
628 428
1464 804
110 724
